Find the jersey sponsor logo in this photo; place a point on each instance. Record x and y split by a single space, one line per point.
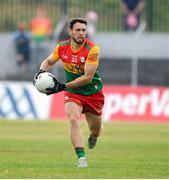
74 68
12 105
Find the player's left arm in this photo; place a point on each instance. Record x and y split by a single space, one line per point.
90 68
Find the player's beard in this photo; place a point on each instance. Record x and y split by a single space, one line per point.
78 42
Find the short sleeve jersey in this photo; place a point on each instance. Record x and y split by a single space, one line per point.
74 63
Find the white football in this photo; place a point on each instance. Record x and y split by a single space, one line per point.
44 80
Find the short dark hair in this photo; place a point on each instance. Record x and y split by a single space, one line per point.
75 20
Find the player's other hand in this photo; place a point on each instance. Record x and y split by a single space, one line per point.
56 88
36 75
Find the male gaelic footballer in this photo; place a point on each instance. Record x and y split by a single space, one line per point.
83 89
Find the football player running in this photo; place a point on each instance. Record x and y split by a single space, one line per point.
83 89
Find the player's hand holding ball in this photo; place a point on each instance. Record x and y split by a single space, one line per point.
56 88
46 83
36 75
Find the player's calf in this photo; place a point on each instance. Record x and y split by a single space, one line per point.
92 141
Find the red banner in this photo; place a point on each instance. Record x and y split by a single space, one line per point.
126 103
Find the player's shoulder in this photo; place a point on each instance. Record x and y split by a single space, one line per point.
65 42
89 44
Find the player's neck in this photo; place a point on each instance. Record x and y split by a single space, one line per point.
75 46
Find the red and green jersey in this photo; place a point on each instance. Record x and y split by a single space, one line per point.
74 62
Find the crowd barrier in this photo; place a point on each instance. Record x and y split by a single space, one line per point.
20 100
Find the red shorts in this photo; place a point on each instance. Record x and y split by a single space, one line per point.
93 103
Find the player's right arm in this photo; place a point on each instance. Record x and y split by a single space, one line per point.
47 63
50 60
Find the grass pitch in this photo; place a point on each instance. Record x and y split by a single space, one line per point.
33 149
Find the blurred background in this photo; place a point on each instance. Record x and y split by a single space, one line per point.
133 37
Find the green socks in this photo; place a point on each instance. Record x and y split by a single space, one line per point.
80 152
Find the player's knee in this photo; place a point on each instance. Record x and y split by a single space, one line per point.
74 120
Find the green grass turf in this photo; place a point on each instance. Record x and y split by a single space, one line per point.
33 149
